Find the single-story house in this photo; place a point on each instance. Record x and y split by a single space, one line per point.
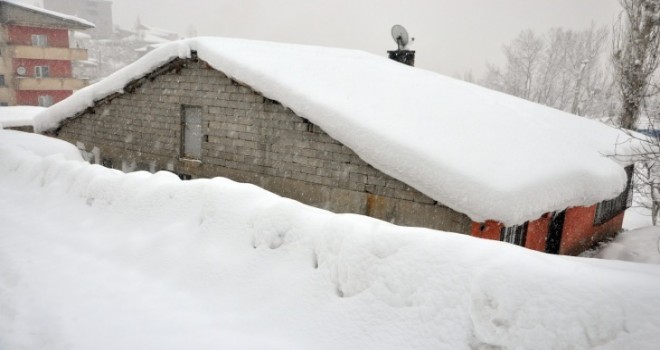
353 132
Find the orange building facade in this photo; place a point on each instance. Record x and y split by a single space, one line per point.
36 57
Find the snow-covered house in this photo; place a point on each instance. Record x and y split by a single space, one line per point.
353 132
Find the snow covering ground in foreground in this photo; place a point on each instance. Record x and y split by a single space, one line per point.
91 258
501 157
640 245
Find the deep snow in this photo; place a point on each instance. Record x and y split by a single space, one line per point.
477 151
91 258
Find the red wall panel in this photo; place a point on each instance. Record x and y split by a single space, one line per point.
20 35
537 233
580 233
31 97
56 68
489 229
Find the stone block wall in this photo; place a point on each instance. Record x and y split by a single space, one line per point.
247 138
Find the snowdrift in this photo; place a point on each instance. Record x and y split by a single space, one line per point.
91 258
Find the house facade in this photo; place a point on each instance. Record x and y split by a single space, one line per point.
190 118
201 123
35 55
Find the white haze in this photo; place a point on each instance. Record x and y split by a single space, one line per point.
452 36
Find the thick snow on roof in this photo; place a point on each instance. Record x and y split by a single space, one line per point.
96 259
52 13
18 115
480 152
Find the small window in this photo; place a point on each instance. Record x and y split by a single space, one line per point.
40 40
606 210
514 234
4 104
2 80
185 177
191 132
41 71
45 100
106 162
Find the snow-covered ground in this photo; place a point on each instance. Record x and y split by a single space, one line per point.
91 258
639 243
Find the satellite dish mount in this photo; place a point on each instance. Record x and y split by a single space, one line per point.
402 40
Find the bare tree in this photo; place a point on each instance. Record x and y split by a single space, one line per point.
563 69
636 43
635 59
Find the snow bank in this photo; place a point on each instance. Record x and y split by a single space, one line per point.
134 261
41 145
18 116
641 245
480 152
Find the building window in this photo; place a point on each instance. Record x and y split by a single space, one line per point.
106 162
45 100
40 40
606 210
2 80
41 71
514 234
191 132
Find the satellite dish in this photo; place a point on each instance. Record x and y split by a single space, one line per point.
400 36
21 70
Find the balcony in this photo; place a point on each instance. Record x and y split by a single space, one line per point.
4 94
50 83
50 53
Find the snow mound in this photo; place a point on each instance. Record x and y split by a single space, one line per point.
641 245
480 152
41 145
130 261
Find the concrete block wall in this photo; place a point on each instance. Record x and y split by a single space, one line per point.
247 138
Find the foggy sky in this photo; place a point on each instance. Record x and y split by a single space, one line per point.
452 36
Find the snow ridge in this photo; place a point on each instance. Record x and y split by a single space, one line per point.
140 260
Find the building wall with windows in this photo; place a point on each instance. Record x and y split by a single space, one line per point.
36 57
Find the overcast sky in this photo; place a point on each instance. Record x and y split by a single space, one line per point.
452 36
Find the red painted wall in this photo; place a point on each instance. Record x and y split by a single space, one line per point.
20 35
537 233
31 97
56 68
579 230
489 229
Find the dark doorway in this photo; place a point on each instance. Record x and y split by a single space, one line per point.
553 243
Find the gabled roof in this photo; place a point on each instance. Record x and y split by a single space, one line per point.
55 18
478 151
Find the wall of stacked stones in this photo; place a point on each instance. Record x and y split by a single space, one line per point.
247 138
